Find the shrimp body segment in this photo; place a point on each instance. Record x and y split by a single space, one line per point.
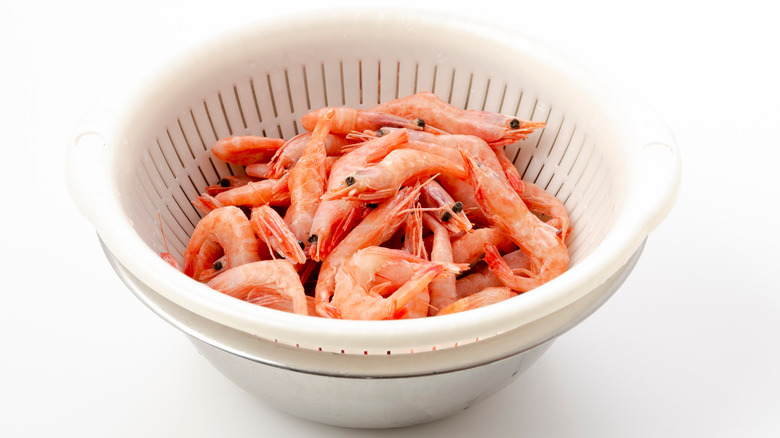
496 129
267 191
292 150
276 277
347 120
225 228
508 213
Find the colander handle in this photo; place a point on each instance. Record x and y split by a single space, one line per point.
656 177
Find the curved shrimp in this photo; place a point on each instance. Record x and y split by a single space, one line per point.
226 228
267 191
267 276
289 154
361 282
483 298
246 149
307 181
335 217
378 226
504 208
443 289
271 228
382 180
496 129
347 120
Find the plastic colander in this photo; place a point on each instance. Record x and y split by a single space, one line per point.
137 160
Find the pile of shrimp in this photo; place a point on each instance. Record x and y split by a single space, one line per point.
406 210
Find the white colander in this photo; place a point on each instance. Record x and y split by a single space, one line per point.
137 160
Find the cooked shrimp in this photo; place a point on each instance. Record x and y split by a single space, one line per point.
378 226
442 290
382 180
267 276
271 228
347 120
229 229
334 218
540 201
471 247
292 150
307 181
509 170
206 203
246 149
503 207
358 294
496 129
413 234
482 298
267 191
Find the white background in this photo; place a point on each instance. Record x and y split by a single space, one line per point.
687 347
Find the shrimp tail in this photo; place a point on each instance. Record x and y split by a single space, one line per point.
206 203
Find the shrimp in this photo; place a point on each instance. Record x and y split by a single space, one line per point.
496 129
378 226
509 171
271 228
307 181
347 120
206 203
382 180
504 208
335 217
442 290
360 282
247 149
450 214
226 230
413 234
292 150
471 247
540 201
482 298
267 191
260 277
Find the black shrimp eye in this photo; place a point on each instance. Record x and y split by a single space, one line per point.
514 124
446 216
420 123
313 238
217 265
372 205
380 132
457 207
224 182
301 244
349 180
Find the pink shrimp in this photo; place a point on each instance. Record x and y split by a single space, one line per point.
361 282
482 298
225 228
442 290
347 120
206 203
509 170
271 228
247 149
335 217
504 208
307 181
413 234
540 201
496 129
378 226
289 154
382 180
471 247
266 276
267 191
